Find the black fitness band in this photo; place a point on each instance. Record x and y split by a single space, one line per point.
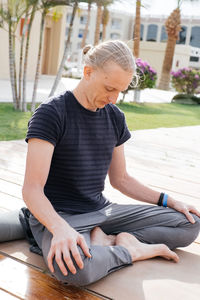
160 201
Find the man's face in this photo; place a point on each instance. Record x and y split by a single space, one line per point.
104 85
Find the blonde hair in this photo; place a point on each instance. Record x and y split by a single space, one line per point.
109 51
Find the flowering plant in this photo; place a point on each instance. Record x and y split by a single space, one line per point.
186 80
145 78
147 75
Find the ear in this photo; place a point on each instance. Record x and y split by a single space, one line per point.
87 71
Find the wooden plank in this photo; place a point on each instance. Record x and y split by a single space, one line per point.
115 196
163 167
6 296
19 250
12 165
27 283
11 189
11 176
180 186
8 202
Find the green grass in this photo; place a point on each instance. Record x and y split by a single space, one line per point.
148 116
13 124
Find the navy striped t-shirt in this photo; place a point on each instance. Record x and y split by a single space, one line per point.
84 141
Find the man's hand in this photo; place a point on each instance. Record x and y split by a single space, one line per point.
64 243
184 208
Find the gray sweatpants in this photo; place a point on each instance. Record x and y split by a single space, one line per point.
149 224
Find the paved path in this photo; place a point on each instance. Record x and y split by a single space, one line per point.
45 84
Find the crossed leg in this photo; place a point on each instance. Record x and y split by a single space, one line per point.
137 249
119 235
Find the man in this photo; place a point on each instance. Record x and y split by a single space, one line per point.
74 141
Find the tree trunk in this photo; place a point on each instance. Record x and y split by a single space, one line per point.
24 106
137 94
104 32
173 27
98 24
11 67
105 20
37 73
21 58
15 72
64 58
167 64
86 26
136 40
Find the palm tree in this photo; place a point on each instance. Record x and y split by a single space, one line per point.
99 4
173 27
25 32
105 19
64 58
6 19
32 15
11 13
136 40
87 24
45 10
45 6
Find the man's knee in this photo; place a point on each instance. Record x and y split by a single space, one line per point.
196 226
81 278
191 232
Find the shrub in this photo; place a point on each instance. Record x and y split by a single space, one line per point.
147 75
186 81
186 99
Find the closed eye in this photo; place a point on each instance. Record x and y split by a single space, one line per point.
109 89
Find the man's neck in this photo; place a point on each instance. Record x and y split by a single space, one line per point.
80 95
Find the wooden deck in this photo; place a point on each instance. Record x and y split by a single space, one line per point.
166 160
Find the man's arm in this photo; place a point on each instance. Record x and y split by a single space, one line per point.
126 184
65 238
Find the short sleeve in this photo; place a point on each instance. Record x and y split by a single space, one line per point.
124 133
45 124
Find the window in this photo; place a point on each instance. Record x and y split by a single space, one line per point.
79 46
163 37
115 36
69 47
67 32
194 58
195 37
182 35
116 24
152 33
68 18
83 19
141 32
80 33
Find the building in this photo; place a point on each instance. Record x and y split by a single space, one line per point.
120 26
153 37
52 49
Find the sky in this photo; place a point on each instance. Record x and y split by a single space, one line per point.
160 7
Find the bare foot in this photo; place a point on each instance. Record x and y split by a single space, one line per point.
98 237
141 251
